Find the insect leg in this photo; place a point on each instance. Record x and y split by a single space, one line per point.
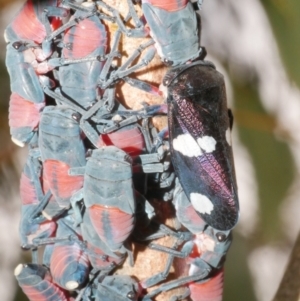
183 296
146 112
145 60
134 15
177 283
159 277
105 70
137 53
69 262
123 71
138 32
181 254
53 34
142 85
75 199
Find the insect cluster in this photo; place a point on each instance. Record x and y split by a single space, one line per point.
94 166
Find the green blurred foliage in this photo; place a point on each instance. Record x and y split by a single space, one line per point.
237 284
284 16
273 163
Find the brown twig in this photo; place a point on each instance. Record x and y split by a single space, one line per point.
289 288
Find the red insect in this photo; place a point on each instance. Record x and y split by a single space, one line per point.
25 36
83 50
211 290
130 139
169 5
109 196
173 24
86 39
33 226
36 282
61 148
99 254
31 24
69 264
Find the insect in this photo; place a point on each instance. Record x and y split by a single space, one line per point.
69 263
199 126
37 14
118 287
82 70
33 225
88 38
61 148
36 282
108 288
173 24
27 98
129 139
108 195
204 253
199 131
207 202
101 257
23 56
198 121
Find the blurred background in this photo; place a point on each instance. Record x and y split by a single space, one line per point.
255 44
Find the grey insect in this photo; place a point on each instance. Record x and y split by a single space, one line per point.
34 226
36 282
108 195
172 25
25 52
61 148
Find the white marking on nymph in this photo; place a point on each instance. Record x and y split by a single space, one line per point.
201 203
228 136
187 145
193 269
5 37
17 142
117 117
164 90
207 143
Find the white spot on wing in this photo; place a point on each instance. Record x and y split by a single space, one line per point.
228 136
201 203
187 145
207 143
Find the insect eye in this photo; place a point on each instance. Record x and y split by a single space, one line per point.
168 62
17 45
69 46
25 247
221 236
89 153
76 116
131 295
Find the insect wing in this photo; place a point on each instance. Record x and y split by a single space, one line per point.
201 155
